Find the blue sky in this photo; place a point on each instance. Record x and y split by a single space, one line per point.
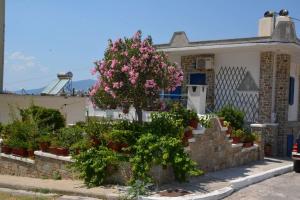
44 37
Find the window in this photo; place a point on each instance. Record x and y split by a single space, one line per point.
291 90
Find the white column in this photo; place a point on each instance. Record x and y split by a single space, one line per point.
197 98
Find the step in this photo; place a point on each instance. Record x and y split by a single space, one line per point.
199 131
191 140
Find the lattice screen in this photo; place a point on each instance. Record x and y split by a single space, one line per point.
228 79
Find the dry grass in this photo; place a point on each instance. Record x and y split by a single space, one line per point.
8 196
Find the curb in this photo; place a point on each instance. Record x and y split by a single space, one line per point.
59 191
226 191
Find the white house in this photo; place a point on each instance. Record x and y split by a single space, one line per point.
260 75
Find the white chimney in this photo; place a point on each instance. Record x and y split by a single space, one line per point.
266 25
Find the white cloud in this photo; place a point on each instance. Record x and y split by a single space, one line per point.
18 61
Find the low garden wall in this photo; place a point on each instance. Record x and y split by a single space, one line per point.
44 165
213 150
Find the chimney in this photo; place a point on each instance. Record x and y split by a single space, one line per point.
266 24
283 16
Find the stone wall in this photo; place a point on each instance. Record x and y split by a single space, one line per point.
43 166
222 153
283 63
266 82
187 63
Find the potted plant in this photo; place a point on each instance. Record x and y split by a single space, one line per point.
57 147
32 146
193 119
188 132
268 149
237 135
248 139
44 142
5 148
229 128
19 147
118 139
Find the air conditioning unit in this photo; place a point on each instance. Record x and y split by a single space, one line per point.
203 63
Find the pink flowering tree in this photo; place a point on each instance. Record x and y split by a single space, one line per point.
132 72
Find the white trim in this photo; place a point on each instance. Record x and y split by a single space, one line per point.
26 160
220 46
50 155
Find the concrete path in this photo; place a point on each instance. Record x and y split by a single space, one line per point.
66 187
217 185
214 185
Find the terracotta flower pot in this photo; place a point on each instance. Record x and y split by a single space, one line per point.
44 146
236 140
52 150
268 150
30 153
193 123
6 149
95 141
116 146
22 152
188 134
247 144
61 151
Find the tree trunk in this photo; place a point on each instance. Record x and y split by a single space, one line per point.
139 113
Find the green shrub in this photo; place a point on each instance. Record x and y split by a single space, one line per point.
153 150
232 115
238 133
45 117
181 113
93 165
165 123
248 137
68 136
97 128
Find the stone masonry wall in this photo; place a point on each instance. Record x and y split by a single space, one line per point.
187 63
266 82
283 62
213 150
43 167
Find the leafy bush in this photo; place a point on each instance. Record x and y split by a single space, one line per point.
238 133
97 128
69 136
94 164
156 150
183 114
165 123
45 117
248 137
233 115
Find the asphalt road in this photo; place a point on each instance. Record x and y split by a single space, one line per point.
285 187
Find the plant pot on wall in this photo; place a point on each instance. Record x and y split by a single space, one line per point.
30 153
268 150
193 123
247 144
44 146
61 151
236 140
22 152
6 149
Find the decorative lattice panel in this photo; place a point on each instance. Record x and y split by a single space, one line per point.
228 79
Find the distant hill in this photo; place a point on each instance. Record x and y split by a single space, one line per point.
78 85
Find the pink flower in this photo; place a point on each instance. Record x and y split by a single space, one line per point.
93 71
113 63
150 84
106 89
125 68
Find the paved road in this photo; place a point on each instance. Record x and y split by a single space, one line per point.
285 187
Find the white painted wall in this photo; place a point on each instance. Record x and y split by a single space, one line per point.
293 109
73 108
240 58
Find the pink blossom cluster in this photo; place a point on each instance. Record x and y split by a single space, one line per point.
133 66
